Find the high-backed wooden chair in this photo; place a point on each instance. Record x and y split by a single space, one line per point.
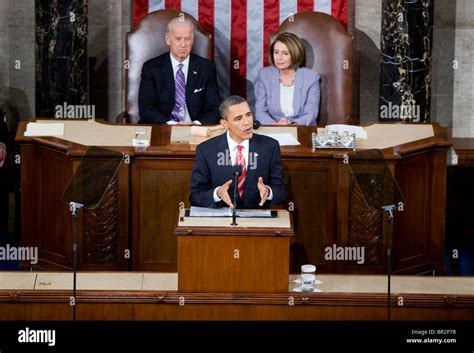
146 42
329 52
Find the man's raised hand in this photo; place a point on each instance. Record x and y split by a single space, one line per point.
223 194
264 191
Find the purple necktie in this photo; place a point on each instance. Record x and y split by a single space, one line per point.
179 96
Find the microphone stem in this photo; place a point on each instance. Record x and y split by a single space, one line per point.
236 181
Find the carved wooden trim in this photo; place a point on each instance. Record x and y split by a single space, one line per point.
366 225
174 297
101 230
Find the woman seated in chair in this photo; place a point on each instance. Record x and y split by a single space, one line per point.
285 92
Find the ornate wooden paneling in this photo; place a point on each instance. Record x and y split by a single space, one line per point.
366 224
101 229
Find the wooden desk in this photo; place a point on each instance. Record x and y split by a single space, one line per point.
141 207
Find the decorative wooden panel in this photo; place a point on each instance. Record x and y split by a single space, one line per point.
365 225
101 230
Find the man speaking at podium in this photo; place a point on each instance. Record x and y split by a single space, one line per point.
256 157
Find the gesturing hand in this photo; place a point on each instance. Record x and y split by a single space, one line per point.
264 191
223 194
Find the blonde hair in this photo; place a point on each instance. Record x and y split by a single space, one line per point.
295 48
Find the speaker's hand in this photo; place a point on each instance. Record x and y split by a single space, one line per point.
264 191
223 193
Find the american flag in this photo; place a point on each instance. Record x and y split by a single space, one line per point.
240 30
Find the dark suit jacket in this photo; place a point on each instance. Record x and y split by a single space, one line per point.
156 96
209 173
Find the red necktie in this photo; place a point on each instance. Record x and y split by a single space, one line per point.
239 160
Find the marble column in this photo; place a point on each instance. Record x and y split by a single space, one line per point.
405 68
61 54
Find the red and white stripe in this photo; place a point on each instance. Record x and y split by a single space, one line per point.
240 29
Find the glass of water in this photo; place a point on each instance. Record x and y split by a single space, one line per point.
346 138
308 278
322 137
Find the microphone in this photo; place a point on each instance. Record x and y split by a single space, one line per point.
236 172
256 124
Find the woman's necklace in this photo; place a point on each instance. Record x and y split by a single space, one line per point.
287 84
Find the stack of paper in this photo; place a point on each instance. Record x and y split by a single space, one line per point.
44 129
284 139
227 212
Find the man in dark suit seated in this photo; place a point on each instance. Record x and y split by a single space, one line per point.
261 181
179 87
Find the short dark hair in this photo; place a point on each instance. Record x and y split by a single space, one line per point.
228 102
295 47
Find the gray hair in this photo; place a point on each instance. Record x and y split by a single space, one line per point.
180 19
228 102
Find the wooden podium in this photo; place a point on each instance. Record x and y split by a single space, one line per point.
252 257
